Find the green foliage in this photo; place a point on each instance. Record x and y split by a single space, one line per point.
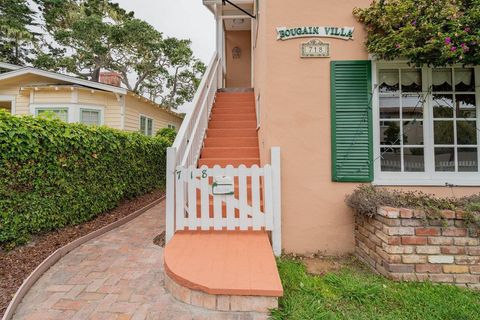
54 174
355 293
426 32
17 40
92 35
168 133
366 199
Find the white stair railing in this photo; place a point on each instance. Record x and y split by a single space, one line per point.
185 151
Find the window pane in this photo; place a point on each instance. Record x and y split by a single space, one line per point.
442 80
412 106
413 160
390 132
90 117
443 132
466 132
61 114
464 80
466 106
413 132
467 159
444 159
389 80
390 159
443 106
389 107
411 80
149 127
143 124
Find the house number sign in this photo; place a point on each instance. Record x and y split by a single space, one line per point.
315 49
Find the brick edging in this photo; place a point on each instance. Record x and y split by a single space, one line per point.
233 303
60 252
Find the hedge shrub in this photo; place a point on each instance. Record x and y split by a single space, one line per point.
54 174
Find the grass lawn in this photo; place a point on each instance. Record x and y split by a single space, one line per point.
353 292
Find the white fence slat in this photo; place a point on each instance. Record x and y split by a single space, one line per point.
180 202
256 198
277 201
192 199
242 199
170 199
217 201
229 172
268 198
204 196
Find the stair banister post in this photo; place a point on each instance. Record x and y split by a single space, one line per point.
170 201
277 201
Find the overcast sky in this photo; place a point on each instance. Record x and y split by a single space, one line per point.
185 19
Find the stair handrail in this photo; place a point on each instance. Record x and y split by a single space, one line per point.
188 142
185 150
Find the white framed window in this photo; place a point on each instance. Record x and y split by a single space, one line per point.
91 116
171 126
146 125
58 112
426 125
87 114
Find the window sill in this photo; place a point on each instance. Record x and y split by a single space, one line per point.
457 182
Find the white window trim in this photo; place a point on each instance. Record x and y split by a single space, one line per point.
429 177
140 115
12 100
73 110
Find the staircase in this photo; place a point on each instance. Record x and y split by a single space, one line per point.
231 137
228 268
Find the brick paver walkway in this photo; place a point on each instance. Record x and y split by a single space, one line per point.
116 276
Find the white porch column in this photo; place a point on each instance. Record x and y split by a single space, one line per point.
220 43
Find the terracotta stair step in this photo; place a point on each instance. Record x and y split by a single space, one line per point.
231 142
237 133
230 110
233 117
211 162
233 104
230 153
241 124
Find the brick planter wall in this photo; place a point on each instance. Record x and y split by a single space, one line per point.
402 244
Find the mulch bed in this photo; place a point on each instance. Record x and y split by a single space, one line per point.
17 264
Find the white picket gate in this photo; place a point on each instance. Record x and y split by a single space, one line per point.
254 204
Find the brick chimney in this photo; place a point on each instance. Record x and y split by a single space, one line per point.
111 78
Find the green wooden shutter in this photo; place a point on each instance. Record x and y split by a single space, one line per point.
351 98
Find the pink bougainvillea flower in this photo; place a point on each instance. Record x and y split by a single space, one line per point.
467 29
448 40
453 48
414 22
398 46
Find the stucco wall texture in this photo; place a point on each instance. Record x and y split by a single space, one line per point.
295 115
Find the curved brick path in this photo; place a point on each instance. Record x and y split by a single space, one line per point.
116 276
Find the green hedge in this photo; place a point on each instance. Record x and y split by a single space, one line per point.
54 174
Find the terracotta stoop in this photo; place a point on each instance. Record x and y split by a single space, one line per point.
225 270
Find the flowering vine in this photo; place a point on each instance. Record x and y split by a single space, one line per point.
426 32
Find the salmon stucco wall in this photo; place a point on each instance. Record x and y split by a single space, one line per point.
239 70
295 115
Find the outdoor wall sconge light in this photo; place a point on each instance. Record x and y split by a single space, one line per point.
236 53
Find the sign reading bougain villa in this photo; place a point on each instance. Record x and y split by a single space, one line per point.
344 33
